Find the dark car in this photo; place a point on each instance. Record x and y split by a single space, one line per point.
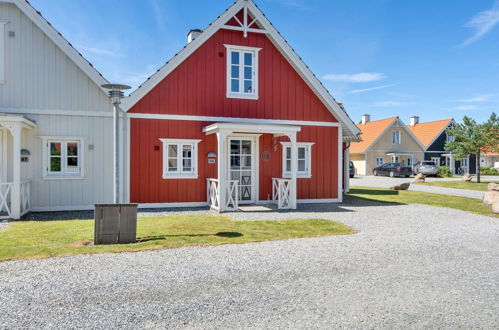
351 169
393 169
426 168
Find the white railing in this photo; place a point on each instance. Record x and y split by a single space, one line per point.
5 188
281 193
232 195
6 199
25 197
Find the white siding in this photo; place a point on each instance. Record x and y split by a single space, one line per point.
40 77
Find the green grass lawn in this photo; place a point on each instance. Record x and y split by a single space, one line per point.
482 186
418 197
41 239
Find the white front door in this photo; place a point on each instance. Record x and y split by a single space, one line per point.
465 165
242 167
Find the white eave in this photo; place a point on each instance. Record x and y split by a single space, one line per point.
350 129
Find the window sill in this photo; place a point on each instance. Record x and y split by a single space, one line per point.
242 96
179 176
63 177
298 176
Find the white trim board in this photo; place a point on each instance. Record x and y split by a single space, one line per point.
302 69
52 112
59 40
231 119
2 51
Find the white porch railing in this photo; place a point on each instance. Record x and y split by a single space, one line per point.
231 197
6 199
281 193
5 188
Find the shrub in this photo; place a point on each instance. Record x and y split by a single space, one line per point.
489 171
444 171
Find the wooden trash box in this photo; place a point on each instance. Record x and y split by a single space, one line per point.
115 223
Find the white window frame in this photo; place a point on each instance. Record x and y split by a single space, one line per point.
242 50
2 51
399 135
380 161
180 174
449 138
436 160
308 160
64 174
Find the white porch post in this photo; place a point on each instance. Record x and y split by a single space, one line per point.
4 155
15 200
346 172
222 168
452 164
294 165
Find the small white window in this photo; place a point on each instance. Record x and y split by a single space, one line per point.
396 137
242 72
304 166
450 138
180 158
63 157
409 161
2 51
379 161
436 160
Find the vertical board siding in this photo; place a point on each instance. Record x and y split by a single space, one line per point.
198 85
39 75
148 186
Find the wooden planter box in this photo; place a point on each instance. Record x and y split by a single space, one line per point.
115 223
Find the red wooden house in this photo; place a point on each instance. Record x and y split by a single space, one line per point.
235 117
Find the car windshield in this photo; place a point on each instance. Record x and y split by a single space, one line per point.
428 163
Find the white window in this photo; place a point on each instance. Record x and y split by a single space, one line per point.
436 160
2 51
450 138
409 161
63 157
180 158
242 72
396 137
304 166
380 161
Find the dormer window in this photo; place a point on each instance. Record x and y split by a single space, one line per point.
242 72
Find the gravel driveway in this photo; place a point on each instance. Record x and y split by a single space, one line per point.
410 266
386 182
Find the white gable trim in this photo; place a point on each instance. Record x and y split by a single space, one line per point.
59 40
2 51
400 125
278 41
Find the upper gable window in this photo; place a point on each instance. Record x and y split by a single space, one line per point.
242 72
396 137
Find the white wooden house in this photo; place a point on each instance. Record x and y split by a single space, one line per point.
55 120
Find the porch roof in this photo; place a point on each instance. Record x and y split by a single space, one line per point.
399 153
6 118
251 128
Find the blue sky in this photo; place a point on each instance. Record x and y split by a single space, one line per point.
435 59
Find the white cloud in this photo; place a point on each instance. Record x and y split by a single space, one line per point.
479 98
100 51
371 88
355 77
483 23
386 104
466 107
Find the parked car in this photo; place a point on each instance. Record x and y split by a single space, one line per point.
351 169
393 170
426 168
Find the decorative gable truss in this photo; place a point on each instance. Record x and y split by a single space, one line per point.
244 21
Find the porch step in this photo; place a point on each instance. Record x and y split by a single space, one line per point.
257 208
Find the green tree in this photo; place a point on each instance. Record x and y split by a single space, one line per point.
471 138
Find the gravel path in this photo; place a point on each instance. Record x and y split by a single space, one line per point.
410 266
386 182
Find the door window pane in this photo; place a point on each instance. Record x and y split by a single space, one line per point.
235 57
248 59
235 71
